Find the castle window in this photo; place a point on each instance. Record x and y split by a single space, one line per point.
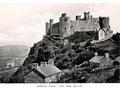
65 28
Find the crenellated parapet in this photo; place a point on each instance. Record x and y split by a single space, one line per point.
65 27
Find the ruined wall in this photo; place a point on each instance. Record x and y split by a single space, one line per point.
68 27
55 29
65 27
82 25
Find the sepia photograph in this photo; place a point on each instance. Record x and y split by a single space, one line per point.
75 43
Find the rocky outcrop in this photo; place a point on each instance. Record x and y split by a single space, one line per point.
65 56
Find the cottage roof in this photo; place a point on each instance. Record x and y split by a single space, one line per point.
118 59
96 59
46 71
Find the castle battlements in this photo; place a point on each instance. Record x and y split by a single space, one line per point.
66 26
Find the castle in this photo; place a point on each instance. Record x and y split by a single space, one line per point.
65 27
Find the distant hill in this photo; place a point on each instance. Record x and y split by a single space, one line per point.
13 51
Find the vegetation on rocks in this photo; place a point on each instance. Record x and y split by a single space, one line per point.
78 51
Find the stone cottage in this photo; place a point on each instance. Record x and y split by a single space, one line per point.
10 63
45 73
101 61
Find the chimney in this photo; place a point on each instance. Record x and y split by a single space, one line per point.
96 53
50 62
106 55
43 64
35 65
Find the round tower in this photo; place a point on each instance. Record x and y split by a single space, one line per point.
47 26
64 27
51 24
86 15
104 27
104 22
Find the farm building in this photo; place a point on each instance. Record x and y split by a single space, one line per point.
45 73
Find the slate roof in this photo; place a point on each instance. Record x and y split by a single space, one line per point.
46 71
118 59
107 45
96 59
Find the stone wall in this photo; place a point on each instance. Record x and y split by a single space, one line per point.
65 27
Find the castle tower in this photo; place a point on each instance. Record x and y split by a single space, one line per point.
64 26
78 17
104 22
86 15
104 27
47 26
51 24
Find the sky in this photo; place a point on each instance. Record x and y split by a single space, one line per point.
24 23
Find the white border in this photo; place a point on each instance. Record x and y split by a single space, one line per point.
86 86
59 1
68 86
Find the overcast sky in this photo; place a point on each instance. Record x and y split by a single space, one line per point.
24 24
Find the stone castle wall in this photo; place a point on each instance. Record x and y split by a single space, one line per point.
66 27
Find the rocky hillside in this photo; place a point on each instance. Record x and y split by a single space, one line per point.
69 55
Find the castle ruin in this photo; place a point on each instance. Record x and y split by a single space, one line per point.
65 27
